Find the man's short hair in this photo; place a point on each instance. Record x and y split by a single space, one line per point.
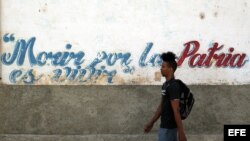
170 58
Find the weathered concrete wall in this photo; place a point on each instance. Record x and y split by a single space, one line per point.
112 112
93 42
118 113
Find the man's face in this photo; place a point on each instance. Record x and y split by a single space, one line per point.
165 69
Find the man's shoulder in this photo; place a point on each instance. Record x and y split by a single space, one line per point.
174 83
171 83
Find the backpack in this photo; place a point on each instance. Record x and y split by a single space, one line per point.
186 100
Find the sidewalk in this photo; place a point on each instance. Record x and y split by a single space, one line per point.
100 137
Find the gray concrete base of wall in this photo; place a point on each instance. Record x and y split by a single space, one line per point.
112 113
106 137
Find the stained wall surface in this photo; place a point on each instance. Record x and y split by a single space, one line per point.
89 70
112 112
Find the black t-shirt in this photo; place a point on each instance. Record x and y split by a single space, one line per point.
170 91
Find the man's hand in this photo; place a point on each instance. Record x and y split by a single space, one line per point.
156 116
148 127
182 136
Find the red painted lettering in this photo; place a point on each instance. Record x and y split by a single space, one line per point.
186 53
206 60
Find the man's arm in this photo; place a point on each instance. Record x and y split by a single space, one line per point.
156 116
176 109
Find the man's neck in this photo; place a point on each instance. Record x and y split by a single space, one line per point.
169 77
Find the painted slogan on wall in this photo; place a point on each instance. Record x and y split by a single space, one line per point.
92 45
22 49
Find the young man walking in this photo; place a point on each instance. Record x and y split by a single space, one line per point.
169 107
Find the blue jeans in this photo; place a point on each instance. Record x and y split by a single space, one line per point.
168 134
